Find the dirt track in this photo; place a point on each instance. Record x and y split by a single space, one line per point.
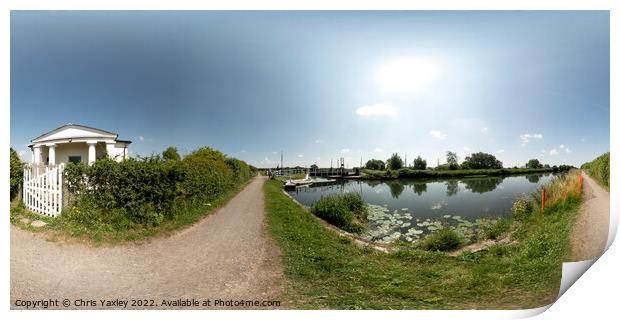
589 235
227 255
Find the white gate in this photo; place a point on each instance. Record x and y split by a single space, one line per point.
43 188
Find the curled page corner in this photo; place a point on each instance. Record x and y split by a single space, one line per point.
571 271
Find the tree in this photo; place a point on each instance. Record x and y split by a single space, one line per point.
17 173
453 160
375 164
419 163
481 160
314 167
533 164
395 162
171 153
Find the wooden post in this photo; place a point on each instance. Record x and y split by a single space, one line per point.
543 200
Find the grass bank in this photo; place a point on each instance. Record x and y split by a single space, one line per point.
598 169
325 270
411 173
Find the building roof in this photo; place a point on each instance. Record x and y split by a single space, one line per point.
91 130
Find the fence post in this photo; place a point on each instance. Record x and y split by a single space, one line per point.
543 200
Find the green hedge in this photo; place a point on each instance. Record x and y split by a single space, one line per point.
150 190
599 169
17 173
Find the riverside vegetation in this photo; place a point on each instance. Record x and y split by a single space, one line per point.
329 271
136 198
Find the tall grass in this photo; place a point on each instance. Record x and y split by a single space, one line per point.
346 211
560 190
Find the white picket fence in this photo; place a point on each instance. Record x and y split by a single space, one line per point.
43 188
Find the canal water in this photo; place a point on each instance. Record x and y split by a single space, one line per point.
408 209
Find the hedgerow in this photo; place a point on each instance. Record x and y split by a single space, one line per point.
145 192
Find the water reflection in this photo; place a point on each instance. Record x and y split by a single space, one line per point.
419 188
533 178
396 188
452 187
482 185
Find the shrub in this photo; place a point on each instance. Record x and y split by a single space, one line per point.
148 191
346 211
493 229
443 240
17 173
521 209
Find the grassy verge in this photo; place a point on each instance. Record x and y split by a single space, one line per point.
98 233
328 271
411 173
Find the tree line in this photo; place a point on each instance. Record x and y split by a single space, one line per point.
477 160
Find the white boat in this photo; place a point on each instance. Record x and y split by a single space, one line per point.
292 184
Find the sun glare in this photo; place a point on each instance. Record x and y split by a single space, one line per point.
406 75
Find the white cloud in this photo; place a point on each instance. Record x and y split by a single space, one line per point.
500 151
141 138
377 110
318 141
345 150
526 137
484 130
378 150
565 148
553 152
300 156
266 161
438 134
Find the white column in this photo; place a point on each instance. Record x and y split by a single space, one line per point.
52 153
37 154
91 151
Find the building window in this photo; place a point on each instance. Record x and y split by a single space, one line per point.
75 159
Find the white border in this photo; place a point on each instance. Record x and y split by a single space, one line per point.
597 288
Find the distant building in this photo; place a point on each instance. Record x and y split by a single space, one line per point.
77 143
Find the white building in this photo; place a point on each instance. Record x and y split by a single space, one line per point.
77 143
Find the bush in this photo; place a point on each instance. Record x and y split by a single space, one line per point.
493 229
346 211
443 240
17 173
521 209
150 190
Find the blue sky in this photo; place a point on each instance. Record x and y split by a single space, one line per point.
319 85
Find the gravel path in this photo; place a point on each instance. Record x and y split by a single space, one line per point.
227 255
590 233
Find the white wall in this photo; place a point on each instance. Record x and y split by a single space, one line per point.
64 150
